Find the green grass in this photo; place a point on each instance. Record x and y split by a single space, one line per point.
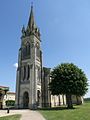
11 117
81 112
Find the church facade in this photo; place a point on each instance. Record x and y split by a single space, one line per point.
32 78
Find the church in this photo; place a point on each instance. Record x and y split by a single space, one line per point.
32 78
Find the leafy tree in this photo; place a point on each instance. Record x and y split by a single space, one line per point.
68 79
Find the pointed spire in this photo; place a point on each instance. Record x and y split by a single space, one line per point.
31 27
31 22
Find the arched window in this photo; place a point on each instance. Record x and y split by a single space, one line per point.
28 49
24 76
38 52
38 75
38 98
24 51
28 72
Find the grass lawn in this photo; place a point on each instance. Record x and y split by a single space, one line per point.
81 112
11 117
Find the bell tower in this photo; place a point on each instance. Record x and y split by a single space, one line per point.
28 81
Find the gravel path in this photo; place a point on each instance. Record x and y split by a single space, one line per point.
26 114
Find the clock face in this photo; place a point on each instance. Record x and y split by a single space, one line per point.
37 45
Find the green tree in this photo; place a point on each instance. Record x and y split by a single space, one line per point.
68 79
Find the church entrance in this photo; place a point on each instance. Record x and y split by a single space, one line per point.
25 100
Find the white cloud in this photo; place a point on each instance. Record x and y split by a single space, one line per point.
15 65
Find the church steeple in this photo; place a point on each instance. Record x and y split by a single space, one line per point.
31 22
31 29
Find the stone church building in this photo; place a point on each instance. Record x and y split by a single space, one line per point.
32 78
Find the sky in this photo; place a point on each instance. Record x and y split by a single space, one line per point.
65 34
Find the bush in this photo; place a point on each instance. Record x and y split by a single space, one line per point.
10 103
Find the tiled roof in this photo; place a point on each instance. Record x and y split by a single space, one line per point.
11 93
3 87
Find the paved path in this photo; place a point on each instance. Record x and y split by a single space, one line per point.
32 115
26 114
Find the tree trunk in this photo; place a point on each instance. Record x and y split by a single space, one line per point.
69 101
63 99
59 100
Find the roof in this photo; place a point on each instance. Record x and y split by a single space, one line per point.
4 88
11 93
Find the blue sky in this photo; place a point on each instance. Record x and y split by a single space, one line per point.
65 34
